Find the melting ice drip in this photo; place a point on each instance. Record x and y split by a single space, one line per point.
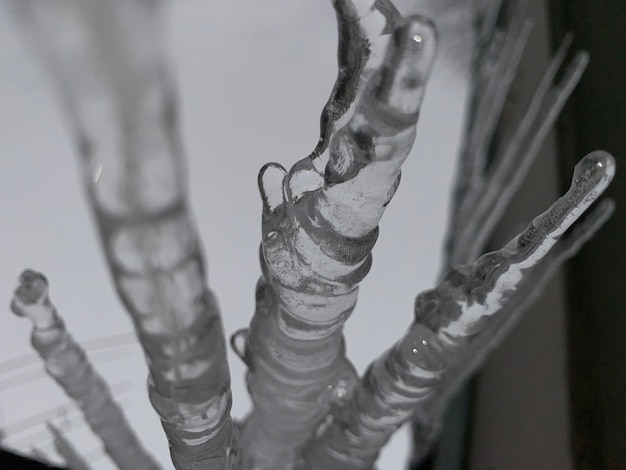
320 223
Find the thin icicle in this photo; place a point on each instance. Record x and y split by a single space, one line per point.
496 66
489 106
67 363
449 317
487 54
65 449
485 207
479 203
316 249
108 61
466 206
429 414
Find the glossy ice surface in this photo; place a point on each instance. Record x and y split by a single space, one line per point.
109 65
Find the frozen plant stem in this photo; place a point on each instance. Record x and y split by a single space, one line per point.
67 363
484 190
319 226
429 413
107 59
483 207
425 361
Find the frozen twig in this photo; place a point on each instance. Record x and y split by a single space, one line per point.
484 191
67 363
423 362
496 68
430 412
319 226
483 208
108 61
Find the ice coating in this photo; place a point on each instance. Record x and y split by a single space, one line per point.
362 25
383 400
67 363
483 207
432 354
316 249
483 191
496 276
503 60
429 413
109 66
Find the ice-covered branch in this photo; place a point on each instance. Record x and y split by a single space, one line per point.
483 191
67 363
108 61
426 360
319 226
483 208
495 73
428 416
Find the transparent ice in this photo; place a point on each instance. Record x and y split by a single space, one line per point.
108 62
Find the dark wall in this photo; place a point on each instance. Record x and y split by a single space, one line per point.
596 278
11 461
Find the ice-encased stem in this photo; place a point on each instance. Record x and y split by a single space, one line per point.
67 363
108 62
483 191
425 361
428 416
316 249
482 208
359 53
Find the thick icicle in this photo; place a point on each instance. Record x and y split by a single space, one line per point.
426 361
109 64
67 363
319 227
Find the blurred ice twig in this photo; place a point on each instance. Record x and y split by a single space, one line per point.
108 62
67 363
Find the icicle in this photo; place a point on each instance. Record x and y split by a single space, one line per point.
482 195
358 55
494 74
489 107
428 416
67 363
430 357
483 209
108 62
317 240
66 450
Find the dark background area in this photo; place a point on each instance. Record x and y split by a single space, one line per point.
596 279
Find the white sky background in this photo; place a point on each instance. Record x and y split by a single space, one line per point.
253 79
